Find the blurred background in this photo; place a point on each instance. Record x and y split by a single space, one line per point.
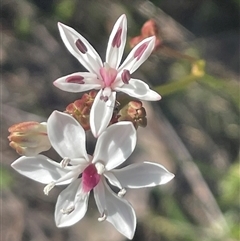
193 130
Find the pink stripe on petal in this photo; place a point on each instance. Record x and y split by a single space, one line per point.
139 52
75 79
81 46
117 38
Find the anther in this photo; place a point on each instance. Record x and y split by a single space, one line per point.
103 217
122 192
48 188
81 46
67 210
65 161
104 98
100 168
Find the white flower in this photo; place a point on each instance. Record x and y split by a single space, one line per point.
86 173
108 77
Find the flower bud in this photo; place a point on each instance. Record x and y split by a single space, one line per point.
134 112
149 29
80 109
29 138
198 68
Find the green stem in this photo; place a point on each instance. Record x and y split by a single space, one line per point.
175 86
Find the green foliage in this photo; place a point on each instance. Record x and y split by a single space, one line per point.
65 9
230 198
230 187
228 87
6 179
23 26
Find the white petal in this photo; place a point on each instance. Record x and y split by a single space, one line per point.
115 144
66 136
119 212
114 53
138 89
79 162
90 60
71 175
101 113
71 198
41 169
112 179
145 174
132 62
67 83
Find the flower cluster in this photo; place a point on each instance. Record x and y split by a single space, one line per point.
114 129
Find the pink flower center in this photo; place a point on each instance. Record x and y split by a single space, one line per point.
108 75
90 178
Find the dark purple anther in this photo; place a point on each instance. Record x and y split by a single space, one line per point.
117 38
139 52
104 98
81 46
125 76
75 79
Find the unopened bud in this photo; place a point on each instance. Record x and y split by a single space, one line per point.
134 112
80 109
29 138
149 29
198 68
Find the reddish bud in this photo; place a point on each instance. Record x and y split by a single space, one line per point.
148 29
80 109
29 138
134 112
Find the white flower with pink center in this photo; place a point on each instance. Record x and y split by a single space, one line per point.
106 76
84 173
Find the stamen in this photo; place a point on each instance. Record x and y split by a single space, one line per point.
75 79
104 98
81 46
65 161
103 217
106 93
139 52
117 38
48 188
122 192
125 76
67 210
100 168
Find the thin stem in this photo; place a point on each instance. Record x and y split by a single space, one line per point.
169 52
